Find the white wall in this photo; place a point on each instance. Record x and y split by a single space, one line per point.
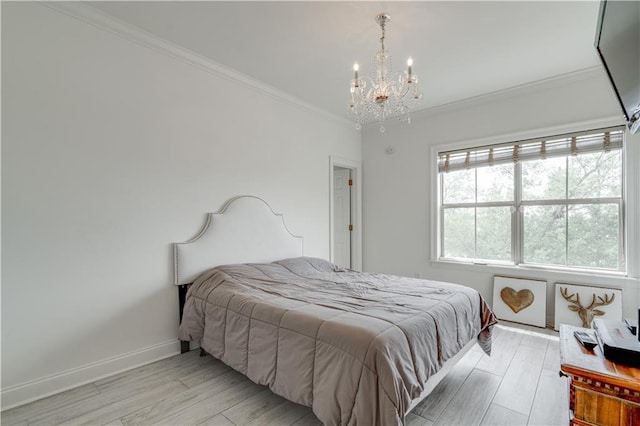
398 197
112 151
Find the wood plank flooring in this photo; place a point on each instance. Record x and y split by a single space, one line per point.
517 385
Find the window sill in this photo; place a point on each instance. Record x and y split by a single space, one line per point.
551 274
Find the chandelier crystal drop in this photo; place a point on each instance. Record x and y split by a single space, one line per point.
384 95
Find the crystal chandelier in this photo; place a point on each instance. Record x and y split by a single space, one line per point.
388 95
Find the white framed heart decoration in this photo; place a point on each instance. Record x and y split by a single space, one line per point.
520 300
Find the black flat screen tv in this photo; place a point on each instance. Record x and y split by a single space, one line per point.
618 44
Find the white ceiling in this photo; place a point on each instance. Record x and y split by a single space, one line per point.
307 49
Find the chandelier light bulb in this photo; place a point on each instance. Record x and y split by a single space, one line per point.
386 94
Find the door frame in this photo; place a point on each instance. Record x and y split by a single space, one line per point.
356 208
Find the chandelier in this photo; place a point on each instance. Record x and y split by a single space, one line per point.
386 94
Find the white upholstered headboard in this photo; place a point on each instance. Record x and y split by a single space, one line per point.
245 230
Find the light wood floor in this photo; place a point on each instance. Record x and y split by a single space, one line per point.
517 385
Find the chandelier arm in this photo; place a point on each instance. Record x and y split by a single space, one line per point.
403 89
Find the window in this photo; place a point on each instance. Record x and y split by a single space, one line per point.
554 202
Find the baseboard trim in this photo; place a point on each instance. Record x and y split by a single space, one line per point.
24 393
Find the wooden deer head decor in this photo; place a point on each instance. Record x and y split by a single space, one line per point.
586 313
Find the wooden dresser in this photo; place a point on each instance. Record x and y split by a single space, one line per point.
601 392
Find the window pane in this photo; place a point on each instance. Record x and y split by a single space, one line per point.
494 233
593 235
544 234
495 183
459 226
459 186
544 179
595 175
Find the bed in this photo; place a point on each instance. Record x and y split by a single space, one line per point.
358 348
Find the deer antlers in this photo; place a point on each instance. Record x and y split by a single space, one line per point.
602 302
569 297
586 314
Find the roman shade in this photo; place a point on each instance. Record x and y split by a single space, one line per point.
532 149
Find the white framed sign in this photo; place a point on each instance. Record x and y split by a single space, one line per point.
579 304
520 300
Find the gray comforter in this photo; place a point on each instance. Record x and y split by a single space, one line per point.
356 347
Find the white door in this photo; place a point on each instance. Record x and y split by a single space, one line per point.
342 216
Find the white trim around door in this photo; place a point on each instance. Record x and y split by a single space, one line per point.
356 209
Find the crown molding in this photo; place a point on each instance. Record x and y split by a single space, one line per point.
97 18
511 92
517 91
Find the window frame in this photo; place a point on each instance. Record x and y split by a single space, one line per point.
517 211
